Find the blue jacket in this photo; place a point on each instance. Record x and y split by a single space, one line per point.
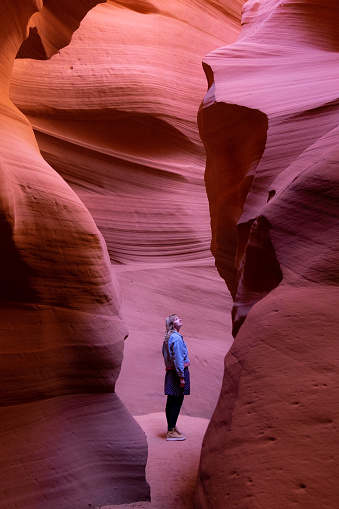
175 353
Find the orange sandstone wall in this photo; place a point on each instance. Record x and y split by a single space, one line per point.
114 113
66 440
270 126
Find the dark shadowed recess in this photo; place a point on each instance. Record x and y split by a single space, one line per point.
134 133
54 27
142 6
83 176
14 272
234 138
259 274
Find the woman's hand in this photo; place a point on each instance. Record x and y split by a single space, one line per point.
182 382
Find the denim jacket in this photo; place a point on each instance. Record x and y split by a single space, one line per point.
175 353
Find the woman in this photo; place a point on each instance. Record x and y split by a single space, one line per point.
177 379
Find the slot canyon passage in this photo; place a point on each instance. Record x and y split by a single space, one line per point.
108 217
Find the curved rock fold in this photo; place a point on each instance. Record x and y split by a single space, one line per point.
66 439
271 441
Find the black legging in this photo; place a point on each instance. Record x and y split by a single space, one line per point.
173 406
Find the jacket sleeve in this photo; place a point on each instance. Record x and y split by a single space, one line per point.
178 356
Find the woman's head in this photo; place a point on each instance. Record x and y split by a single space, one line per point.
169 322
173 322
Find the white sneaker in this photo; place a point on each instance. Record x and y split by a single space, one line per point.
175 435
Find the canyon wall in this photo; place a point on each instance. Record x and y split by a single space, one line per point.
269 122
66 439
114 116
114 113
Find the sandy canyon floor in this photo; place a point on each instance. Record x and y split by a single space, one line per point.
172 466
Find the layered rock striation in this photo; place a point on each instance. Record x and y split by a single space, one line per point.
270 126
66 439
114 114
115 104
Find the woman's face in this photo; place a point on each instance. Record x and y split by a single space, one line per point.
177 323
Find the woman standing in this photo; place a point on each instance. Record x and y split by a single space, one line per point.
177 379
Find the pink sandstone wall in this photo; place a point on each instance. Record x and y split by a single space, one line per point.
269 122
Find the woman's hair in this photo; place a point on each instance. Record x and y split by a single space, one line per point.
169 326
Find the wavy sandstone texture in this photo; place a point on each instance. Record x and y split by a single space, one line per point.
66 440
120 103
114 113
270 126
